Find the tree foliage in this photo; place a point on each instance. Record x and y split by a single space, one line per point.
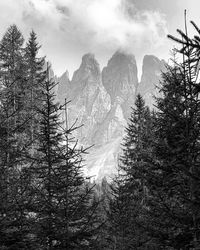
45 201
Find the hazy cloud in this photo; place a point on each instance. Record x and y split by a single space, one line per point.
107 22
70 27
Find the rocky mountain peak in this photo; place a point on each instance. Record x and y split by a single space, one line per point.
152 63
90 102
88 73
63 87
89 59
89 65
65 75
102 102
120 80
151 75
121 59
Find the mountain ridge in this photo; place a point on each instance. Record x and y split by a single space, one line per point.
102 101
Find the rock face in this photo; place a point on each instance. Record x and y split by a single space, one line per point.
87 94
63 87
120 80
151 75
102 101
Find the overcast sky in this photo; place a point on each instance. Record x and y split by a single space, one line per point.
67 29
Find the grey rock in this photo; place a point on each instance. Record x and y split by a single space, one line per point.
102 103
151 75
120 80
63 90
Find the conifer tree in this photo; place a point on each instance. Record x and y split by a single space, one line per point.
12 77
130 190
176 179
35 75
14 179
169 215
103 194
64 212
173 173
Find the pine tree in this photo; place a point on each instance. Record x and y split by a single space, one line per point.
64 212
13 80
35 75
175 179
130 189
169 216
103 195
14 179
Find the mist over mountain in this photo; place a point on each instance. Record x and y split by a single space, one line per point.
102 101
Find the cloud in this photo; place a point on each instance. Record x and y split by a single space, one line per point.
77 26
105 23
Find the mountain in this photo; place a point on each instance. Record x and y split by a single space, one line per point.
87 94
101 102
120 80
63 87
151 75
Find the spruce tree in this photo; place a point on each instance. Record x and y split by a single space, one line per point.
12 74
130 189
35 75
169 215
14 178
175 182
64 212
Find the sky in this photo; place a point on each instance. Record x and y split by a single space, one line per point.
68 29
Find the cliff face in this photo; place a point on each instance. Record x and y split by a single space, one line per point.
120 80
101 102
151 75
63 87
90 102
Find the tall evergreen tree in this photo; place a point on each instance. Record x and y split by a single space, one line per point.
35 76
168 168
173 181
63 210
130 190
14 178
169 214
176 186
12 74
